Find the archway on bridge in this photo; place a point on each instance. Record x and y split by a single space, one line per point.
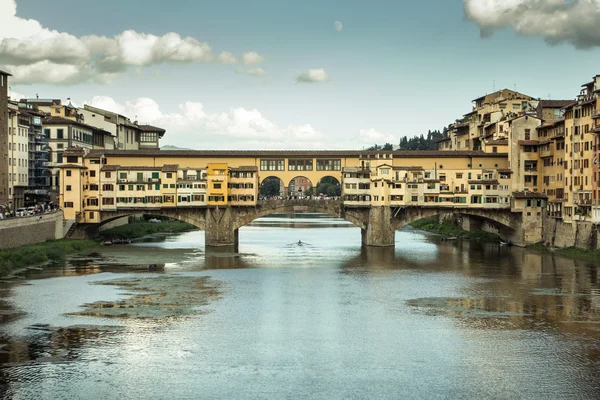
328 186
300 187
272 187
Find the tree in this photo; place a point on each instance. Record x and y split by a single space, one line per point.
329 186
271 186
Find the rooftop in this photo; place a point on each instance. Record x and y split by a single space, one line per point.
529 195
290 153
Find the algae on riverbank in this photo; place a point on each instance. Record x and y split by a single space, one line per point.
450 229
141 229
36 254
570 252
155 297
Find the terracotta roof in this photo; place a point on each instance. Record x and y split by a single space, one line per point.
444 139
408 168
554 103
138 168
529 142
244 168
289 153
505 171
66 121
529 195
113 167
71 166
170 168
150 128
498 142
484 182
74 151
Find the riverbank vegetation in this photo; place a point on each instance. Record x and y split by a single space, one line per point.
140 229
26 256
571 252
450 229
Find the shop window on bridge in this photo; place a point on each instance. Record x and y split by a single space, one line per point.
300 165
198 197
94 188
169 199
183 199
108 201
272 165
414 198
329 165
216 198
92 202
139 187
460 200
364 186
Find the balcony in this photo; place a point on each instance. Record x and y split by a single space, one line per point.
595 114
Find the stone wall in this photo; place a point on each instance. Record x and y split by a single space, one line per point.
15 232
579 234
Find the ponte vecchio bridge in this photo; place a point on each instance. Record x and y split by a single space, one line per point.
219 191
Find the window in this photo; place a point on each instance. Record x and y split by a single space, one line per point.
329 165
121 187
155 175
94 188
59 133
47 133
300 165
107 187
272 165
169 175
92 202
68 188
122 175
107 175
108 201
68 172
140 176
92 174
68 204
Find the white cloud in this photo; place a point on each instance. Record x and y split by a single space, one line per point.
35 54
16 95
312 76
252 57
227 58
256 72
369 137
338 26
237 128
557 21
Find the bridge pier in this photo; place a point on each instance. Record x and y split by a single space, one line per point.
219 229
379 231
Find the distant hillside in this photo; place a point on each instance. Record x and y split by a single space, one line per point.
169 147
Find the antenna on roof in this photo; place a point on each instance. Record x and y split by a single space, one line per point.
36 96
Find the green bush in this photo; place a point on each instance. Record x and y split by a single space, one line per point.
36 254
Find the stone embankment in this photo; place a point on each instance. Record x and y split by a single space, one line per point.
38 228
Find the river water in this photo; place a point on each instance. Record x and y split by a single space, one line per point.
324 320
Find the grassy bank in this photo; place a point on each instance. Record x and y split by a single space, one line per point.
140 229
12 260
571 252
450 229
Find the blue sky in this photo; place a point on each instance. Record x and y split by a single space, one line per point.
396 68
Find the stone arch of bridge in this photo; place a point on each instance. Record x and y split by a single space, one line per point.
181 215
357 218
501 220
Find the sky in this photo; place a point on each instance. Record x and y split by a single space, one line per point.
272 74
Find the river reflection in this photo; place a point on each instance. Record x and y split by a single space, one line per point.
325 319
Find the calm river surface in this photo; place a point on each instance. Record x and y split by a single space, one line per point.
323 320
